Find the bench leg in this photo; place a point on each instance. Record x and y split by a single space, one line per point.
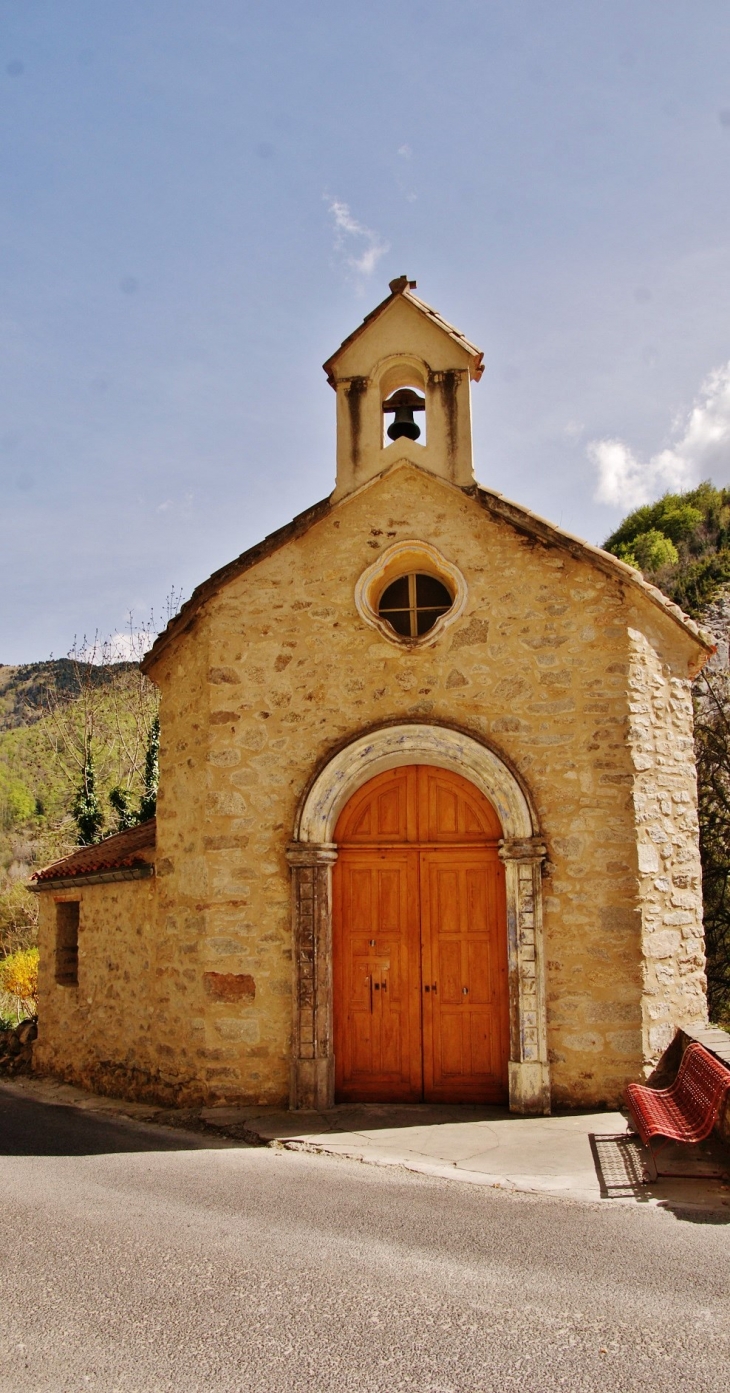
650 1172
651 1169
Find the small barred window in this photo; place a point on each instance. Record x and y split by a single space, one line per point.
412 604
67 943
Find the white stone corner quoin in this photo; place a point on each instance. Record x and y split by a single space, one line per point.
312 854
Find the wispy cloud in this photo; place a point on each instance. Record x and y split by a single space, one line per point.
129 647
181 504
700 449
361 247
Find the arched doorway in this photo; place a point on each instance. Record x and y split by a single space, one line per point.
421 999
313 853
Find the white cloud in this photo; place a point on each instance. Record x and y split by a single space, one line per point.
364 251
700 450
181 504
128 647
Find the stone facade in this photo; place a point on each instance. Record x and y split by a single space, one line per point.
99 1033
665 805
563 666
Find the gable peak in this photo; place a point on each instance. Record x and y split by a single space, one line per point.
400 284
401 288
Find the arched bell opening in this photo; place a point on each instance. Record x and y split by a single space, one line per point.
314 851
403 404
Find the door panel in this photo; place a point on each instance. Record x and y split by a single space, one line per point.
450 809
465 959
419 942
377 976
384 810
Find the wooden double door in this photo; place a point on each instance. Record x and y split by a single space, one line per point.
419 943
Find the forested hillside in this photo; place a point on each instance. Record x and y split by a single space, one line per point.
682 544
61 722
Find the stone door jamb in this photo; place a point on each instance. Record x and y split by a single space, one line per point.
312 855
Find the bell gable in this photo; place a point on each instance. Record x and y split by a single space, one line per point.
403 360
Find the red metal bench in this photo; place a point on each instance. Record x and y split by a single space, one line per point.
687 1111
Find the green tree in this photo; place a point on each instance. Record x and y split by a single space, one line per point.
649 551
148 804
121 798
99 727
17 803
682 542
121 801
87 810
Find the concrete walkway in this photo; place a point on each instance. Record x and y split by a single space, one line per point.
583 1156
589 1157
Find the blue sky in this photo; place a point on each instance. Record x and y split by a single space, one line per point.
200 200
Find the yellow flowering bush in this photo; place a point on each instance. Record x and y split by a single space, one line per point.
19 978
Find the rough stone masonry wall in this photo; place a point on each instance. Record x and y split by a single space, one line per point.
279 669
98 1034
199 885
665 801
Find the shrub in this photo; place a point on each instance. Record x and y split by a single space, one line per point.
652 550
682 542
19 979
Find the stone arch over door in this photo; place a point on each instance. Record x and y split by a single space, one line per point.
312 853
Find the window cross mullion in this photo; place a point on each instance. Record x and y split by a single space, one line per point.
413 606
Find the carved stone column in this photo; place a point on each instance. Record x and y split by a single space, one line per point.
529 1071
313 1061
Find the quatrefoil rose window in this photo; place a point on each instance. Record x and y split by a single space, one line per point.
410 594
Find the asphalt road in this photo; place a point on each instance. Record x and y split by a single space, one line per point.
134 1260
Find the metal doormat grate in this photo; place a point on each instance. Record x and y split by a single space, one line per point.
619 1165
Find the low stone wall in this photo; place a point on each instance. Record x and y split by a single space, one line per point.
16 1048
717 1042
108 1078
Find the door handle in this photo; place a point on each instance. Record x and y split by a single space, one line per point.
430 989
465 991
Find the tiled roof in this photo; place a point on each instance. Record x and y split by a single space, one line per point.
117 853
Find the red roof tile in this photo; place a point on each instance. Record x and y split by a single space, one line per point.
119 852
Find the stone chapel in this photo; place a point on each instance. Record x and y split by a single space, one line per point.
426 825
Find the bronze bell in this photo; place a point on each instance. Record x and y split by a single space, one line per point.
403 403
